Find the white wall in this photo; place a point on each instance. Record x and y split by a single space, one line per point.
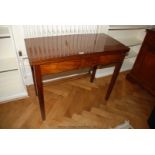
31 31
18 36
4 31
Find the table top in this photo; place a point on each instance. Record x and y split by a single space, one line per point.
44 49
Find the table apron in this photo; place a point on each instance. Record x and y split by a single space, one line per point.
73 64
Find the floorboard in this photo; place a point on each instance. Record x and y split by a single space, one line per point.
77 103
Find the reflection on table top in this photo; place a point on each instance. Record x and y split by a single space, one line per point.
55 47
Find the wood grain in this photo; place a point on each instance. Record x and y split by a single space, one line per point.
54 48
62 54
77 103
143 71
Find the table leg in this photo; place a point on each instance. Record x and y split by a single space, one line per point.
39 88
34 81
113 79
93 74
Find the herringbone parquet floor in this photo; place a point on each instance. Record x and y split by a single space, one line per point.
77 103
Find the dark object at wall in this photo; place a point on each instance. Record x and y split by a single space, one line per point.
151 120
143 71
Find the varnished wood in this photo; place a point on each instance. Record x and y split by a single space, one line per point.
39 88
77 103
76 62
93 74
143 71
60 53
34 80
113 79
59 48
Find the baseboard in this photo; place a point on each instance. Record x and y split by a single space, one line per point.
29 80
64 77
13 97
104 72
99 73
108 71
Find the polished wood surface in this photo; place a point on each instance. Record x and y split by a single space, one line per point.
48 55
77 103
143 71
57 48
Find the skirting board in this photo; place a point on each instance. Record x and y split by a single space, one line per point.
108 71
99 73
29 80
127 65
13 97
104 72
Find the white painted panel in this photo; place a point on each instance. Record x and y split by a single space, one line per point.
6 48
128 37
11 86
31 31
18 36
129 26
134 50
8 64
11 82
4 31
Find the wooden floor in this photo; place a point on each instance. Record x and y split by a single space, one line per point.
77 103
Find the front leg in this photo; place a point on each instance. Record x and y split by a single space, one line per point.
113 79
34 81
39 87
